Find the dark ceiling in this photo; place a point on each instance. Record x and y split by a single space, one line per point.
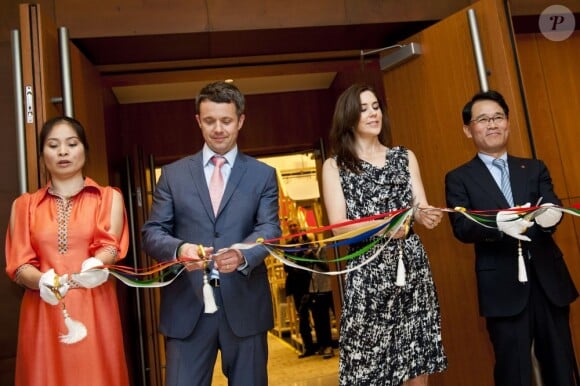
231 44
128 50
312 48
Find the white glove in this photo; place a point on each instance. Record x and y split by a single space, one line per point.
47 282
89 277
548 217
513 223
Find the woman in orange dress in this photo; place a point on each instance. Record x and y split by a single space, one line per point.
57 242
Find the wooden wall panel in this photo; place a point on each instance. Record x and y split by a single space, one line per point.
568 237
40 73
114 138
46 64
274 123
10 293
163 129
89 110
552 88
425 97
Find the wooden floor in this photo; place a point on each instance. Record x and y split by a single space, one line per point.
285 369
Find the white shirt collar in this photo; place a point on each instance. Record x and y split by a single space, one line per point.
230 156
487 159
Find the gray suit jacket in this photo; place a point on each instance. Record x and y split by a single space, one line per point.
182 211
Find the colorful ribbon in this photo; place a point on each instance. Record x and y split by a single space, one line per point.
373 230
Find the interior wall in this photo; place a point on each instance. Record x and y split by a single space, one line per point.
274 123
552 89
89 110
114 145
425 97
10 293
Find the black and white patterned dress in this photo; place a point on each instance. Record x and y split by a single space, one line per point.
388 333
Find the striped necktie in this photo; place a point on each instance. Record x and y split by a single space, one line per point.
505 180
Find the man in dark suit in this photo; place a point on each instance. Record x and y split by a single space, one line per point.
311 292
532 307
297 283
184 224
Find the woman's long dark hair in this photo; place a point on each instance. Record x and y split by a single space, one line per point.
344 122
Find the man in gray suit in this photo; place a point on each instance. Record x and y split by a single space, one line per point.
183 224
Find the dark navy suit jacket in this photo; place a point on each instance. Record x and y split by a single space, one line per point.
500 293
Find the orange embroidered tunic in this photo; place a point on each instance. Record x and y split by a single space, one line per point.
60 233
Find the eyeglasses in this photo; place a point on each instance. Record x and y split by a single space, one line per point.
485 121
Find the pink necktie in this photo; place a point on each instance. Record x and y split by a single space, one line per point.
216 183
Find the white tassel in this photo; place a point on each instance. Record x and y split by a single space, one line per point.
522 275
401 272
76 330
208 299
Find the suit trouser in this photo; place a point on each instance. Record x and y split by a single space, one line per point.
542 323
191 361
320 304
301 304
